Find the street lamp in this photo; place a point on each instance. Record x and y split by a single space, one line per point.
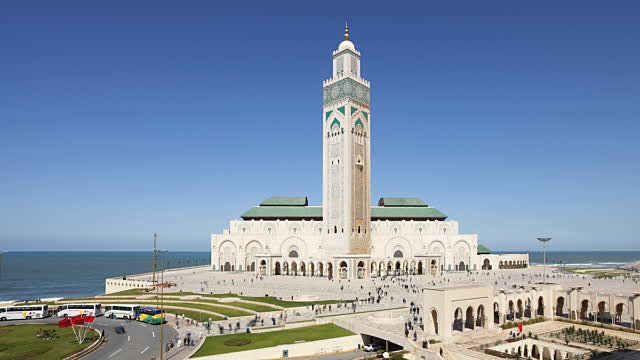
161 285
544 269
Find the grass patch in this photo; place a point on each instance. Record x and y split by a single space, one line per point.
361 312
270 327
19 342
301 321
195 315
514 324
128 292
217 344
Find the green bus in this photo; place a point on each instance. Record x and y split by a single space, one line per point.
150 315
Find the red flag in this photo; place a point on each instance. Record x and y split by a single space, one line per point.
89 318
66 322
77 320
520 327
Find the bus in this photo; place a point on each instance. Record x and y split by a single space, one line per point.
26 312
121 311
150 315
79 309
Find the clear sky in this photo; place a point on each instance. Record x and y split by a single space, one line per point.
516 119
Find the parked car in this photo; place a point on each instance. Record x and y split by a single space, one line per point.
372 347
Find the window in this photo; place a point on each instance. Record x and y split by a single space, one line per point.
358 229
293 254
335 229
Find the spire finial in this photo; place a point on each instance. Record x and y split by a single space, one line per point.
346 30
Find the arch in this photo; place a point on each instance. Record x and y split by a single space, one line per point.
434 267
227 266
344 270
540 310
303 268
486 264
436 247
496 313
557 355
461 266
468 323
374 268
546 353
285 268
560 306
359 122
620 309
293 243
511 310
329 269
398 243
520 306
278 270
334 122
480 317
312 269
584 307
293 254
321 269
360 270
294 268
252 248
500 265
535 351
603 312
397 254
457 320
434 321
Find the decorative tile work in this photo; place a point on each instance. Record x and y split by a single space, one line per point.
353 110
346 88
366 115
341 109
326 116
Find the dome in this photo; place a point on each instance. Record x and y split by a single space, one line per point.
346 45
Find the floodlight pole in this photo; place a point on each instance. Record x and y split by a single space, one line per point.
544 269
154 257
162 303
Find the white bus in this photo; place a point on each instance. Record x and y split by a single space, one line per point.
121 311
79 309
24 312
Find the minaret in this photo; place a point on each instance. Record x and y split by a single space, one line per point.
346 154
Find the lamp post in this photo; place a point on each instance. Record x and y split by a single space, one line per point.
544 269
161 285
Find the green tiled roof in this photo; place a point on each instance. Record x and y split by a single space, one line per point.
401 202
399 213
283 212
315 213
483 249
285 201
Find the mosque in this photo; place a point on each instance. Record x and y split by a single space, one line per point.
347 237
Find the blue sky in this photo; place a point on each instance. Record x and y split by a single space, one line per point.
133 117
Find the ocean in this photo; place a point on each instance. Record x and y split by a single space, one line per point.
41 275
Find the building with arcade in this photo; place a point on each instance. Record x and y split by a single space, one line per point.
347 237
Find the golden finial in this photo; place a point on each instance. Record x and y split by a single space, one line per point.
346 31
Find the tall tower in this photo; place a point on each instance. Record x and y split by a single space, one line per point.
346 154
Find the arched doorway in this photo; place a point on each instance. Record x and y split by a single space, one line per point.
278 269
419 267
321 269
312 267
330 269
496 313
361 270
227 266
461 266
512 311
397 254
468 321
285 268
434 319
619 311
480 317
560 306
397 267
603 312
520 312
540 306
584 307
457 320
434 267
344 271
252 267
263 267
486 265
303 268
546 353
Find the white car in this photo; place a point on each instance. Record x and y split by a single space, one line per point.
372 347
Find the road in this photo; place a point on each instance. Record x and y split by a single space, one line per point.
139 342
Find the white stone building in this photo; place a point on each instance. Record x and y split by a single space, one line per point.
347 237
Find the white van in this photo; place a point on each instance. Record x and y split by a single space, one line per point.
121 311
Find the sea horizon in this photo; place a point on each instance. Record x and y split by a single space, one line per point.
30 275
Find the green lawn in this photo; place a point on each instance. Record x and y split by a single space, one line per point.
195 315
128 292
19 342
201 306
225 343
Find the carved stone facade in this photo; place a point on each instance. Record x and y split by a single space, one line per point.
347 237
